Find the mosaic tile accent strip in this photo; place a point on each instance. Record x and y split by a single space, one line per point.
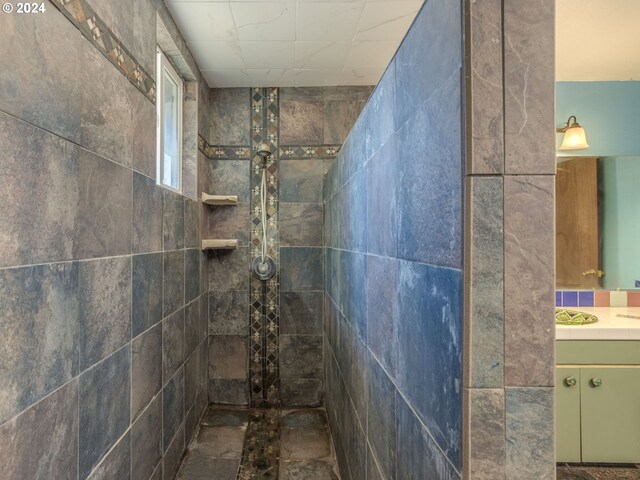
261 450
597 298
301 151
97 32
224 152
264 310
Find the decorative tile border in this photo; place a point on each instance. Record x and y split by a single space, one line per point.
261 450
302 151
96 31
597 298
224 152
264 372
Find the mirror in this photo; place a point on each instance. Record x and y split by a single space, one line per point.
598 222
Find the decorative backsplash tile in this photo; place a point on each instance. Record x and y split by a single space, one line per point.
95 30
633 299
224 152
585 299
315 151
264 337
602 298
597 298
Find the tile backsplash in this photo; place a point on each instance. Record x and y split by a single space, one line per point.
597 298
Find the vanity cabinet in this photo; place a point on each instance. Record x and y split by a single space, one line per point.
598 401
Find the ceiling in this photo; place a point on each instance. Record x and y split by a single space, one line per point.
293 43
597 40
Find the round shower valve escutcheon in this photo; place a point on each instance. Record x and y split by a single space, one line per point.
263 270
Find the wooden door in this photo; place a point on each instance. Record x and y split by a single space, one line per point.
577 223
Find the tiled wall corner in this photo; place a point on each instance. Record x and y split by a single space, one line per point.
485 434
529 278
529 87
530 433
485 116
509 54
484 272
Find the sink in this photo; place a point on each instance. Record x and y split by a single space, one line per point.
574 317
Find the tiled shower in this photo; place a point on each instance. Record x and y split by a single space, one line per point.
310 128
394 315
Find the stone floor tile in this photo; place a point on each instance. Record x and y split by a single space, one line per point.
226 417
198 466
221 442
308 470
303 418
304 443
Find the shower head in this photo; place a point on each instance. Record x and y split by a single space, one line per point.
263 150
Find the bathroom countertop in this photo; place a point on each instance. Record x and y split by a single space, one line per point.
608 327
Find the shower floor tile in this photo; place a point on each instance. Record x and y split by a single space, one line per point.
298 440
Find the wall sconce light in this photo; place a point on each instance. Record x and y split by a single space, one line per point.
574 136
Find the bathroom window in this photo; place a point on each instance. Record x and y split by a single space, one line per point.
169 124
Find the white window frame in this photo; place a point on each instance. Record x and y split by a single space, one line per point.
164 65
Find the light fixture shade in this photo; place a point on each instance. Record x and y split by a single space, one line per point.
574 138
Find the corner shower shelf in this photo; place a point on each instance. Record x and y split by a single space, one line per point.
211 244
219 199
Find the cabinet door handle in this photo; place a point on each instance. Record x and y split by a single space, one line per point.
595 382
570 382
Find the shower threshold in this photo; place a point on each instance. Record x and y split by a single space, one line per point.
235 443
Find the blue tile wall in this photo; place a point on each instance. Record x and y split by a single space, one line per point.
393 265
430 180
430 53
429 333
89 278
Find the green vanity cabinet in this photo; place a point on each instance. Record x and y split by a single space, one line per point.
568 414
598 401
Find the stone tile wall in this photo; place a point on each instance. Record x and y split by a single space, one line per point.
509 263
310 119
102 286
394 258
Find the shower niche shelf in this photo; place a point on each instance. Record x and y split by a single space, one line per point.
219 199
219 244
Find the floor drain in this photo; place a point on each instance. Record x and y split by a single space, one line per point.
261 463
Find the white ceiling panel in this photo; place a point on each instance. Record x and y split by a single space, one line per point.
239 43
217 55
370 54
361 76
318 55
199 21
318 78
243 77
386 21
328 20
265 21
268 54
